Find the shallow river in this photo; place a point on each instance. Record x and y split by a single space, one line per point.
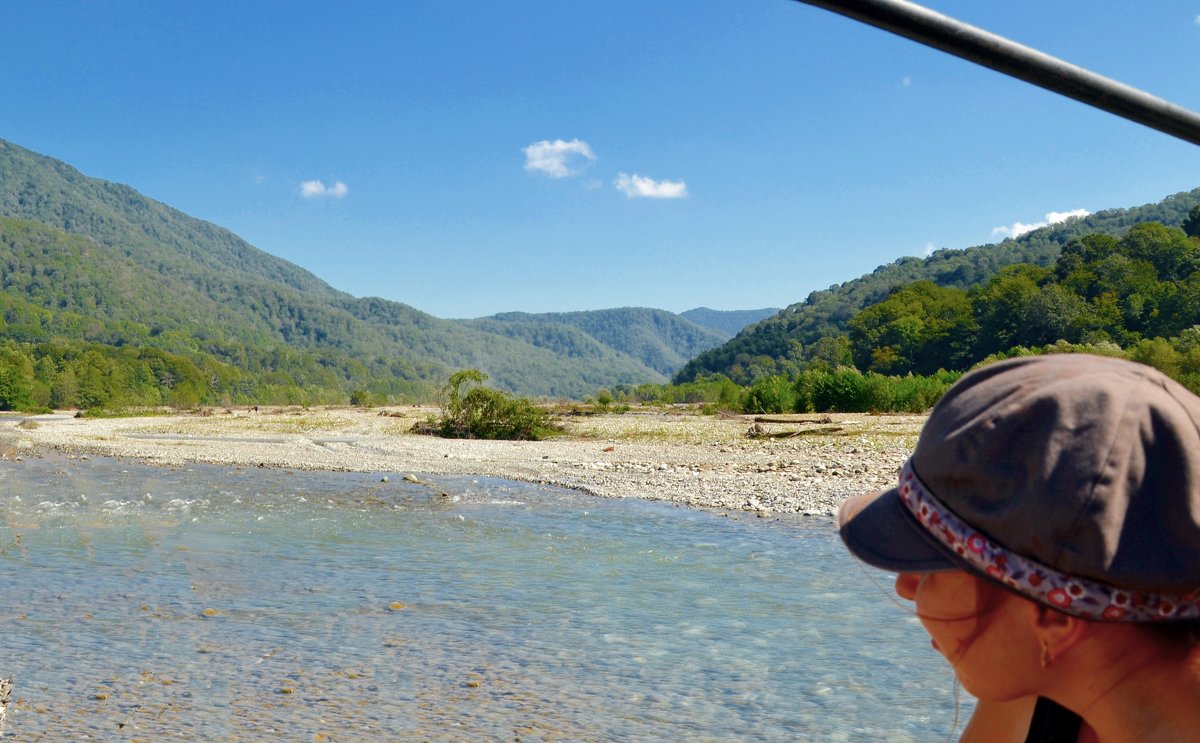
212 603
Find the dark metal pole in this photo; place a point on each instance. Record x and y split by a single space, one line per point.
1017 60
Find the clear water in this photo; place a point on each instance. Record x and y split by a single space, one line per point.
211 603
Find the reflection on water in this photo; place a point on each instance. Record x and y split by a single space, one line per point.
239 604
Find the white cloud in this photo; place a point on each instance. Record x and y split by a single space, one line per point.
1016 229
640 187
929 248
1056 217
318 190
905 81
558 159
1198 20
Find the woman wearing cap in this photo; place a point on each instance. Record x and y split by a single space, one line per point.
1047 529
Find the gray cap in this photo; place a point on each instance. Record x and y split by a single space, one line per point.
1060 476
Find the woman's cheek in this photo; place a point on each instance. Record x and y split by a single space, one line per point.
938 637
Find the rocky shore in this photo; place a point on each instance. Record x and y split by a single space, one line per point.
794 463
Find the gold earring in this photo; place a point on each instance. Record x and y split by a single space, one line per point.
1047 658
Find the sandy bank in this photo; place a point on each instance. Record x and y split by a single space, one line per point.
802 463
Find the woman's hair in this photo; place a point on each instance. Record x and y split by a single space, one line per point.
1185 633
989 593
988 598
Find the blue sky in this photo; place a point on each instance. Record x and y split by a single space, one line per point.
475 157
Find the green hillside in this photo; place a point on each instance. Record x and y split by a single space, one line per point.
804 331
86 261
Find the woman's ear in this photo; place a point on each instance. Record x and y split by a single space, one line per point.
1057 632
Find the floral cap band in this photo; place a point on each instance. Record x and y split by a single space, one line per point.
1080 597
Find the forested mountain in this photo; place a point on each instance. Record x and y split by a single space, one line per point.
1138 296
90 266
809 330
661 340
727 322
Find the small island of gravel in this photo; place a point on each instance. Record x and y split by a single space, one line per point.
777 464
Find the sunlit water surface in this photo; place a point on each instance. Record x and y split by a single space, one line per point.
211 603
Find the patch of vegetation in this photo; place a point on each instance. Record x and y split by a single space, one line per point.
302 423
472 411
715 390
817 390
124 413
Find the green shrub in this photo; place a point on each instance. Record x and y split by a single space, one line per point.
842 390
878 393
604 398
918 394
774 394
715 389
849 391
485 413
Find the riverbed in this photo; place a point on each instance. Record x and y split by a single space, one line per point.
206 602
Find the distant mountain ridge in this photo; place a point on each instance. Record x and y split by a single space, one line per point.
87 259
661 340
729 322
768 347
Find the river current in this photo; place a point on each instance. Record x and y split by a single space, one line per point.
212 603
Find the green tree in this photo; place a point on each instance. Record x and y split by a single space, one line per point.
97 380
1191 223
1167 249
1001 308
919 328
1159 353
829 352
64 391
16 381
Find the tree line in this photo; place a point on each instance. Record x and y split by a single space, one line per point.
38 377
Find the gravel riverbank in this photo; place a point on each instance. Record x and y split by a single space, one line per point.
795 463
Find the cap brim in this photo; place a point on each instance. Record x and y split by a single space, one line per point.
879 530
